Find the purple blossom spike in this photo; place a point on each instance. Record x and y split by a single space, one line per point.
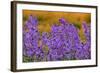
61 43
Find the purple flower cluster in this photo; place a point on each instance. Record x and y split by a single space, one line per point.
62 43
31 39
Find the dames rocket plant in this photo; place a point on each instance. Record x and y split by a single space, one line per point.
62 42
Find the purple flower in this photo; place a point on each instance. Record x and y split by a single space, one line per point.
86 30
33 20
29 52
62 43
63 21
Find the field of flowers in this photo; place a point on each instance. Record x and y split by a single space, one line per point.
56 36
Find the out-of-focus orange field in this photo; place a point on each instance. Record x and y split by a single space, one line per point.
47 18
